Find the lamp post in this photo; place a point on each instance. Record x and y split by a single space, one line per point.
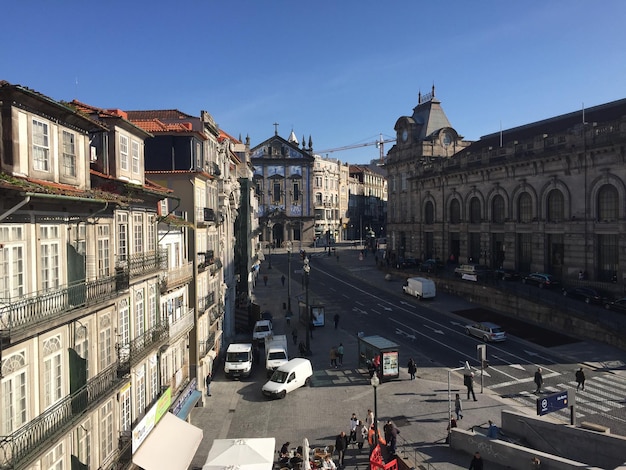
289 248
306 269
375 381
450 401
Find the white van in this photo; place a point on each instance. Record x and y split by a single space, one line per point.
291 375
420 287
238 360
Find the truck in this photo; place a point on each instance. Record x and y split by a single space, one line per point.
239 359
420 287
276 353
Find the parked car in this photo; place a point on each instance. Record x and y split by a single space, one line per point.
429 266
619 305
541 280
288 377
472 272
589 295
486 331
506 274
407 263
267 315
262 328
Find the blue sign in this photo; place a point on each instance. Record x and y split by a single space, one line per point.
554 402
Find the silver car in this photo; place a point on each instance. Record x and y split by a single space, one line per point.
486 331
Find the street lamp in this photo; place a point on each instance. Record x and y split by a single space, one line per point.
289 247
450 399
375 381
306 269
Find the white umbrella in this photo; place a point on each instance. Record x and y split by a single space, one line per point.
241 454
305 454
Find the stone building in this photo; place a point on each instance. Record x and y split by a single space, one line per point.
547 196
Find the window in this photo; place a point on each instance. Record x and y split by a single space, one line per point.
497 210
13 393
123 152
296 191
318 199
41 146
106 430
555 206
152 307
124 329
69 154
455 211
82 345
141 388
126 410
104 260
154 380
84 443
11 262
151 241
429 213
525 208
53 373
276 192
53 460
608 203
474 210
105 343
135 156
50 246
140 318
138 233
122 236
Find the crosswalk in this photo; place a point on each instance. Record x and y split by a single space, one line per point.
604 394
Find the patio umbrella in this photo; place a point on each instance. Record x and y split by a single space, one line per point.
305 454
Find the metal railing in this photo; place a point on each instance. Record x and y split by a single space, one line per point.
41 306
146 263
20 448
206 346
131 353
205 302
183 324
179 275
121 458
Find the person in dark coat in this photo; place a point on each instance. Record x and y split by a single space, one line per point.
538 380
336 319
207 382
477 462
341 444
580 378
412 367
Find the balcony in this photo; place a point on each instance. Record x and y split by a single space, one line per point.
207 345
205 302
141 264
215 267
177 276
122 457
182 325
20 449
131 353
45 306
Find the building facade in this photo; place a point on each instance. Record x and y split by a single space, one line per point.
547 196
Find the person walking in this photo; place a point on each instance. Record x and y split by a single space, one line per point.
477 462
340 352
341 444
336 319
333 356
369 421
282 280
294 336
469 383
207 382
412 368
354 422
580 378
361 434
391 436
458 407
538 380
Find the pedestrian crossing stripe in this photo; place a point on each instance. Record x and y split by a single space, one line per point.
613 383
597 389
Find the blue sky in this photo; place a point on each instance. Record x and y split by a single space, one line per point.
340 71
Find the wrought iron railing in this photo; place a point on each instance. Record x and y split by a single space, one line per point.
19 449
146 263
207 345
122 457
182 325
205 302
179 275
40 306
131 353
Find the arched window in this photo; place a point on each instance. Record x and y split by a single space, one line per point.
608 203
525 208
455 211
429 213
474 209
497 210
555 209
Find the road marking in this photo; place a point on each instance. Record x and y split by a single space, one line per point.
376 311
434 330
359 303
389 309
524 380
612 383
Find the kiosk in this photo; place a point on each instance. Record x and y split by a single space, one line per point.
379 355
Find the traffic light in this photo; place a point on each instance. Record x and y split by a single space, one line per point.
481 349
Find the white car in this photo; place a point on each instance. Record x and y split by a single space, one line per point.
291 375
262 329
486 331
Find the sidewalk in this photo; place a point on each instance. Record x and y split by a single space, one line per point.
419 408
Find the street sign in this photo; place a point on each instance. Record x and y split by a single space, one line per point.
553 402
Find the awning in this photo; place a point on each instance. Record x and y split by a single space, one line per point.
189 403
156 452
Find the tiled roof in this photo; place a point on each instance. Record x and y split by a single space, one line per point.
224 135
155 126
162 114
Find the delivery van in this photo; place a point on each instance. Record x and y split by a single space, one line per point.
420 287
291 375
239 359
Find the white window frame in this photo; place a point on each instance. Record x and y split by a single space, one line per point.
123 152
140 383
152 307
69 154
106 347
50 256
122 236
106 430
41 145
53 460
138 241
82 347
135 154
14 393
12 247
140 314
104 250
52 371
126 410
151 238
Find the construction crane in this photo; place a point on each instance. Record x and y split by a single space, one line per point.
380 145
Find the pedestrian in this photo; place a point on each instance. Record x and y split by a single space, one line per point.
538 380
328 463
340 352
265 280
477 462
336 319
580 378
391 436
580 275
341 444
333 356
207 382
361 434
282 280
452 424
458 407
493 432
294 336
369 421
535 462
412 367
469 383
354 422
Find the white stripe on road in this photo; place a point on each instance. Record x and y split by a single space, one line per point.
525 380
